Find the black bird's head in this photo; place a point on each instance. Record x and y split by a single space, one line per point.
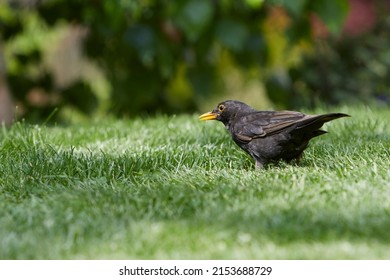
226 111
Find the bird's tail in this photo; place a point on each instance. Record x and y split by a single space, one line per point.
331 116
311 124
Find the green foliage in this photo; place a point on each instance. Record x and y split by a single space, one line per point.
142 48
193 17
178 188
333 13
232 34
352 70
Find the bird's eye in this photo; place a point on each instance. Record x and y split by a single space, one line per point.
221 108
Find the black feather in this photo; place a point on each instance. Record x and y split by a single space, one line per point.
271 135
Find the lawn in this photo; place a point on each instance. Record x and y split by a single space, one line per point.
177 188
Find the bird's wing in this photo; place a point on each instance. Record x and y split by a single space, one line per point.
262 123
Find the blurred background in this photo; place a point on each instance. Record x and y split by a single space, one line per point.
71 60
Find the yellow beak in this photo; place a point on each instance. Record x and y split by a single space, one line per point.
208 116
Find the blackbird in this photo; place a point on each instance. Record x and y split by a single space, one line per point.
269 136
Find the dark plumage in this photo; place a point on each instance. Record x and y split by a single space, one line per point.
269 135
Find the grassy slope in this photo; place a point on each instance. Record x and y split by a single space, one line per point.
174 187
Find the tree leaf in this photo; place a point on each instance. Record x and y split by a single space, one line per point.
254 4
333 13
194 16
143 39
296 7
232 34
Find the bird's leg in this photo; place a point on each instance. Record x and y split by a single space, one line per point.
298 158
259 165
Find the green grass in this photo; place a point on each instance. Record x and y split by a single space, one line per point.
178 188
